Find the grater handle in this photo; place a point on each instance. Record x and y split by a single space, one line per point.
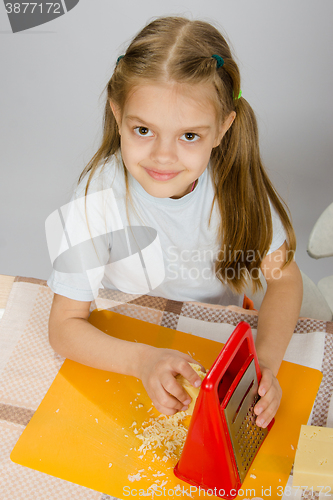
237 350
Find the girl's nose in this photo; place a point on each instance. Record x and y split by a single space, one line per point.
164 152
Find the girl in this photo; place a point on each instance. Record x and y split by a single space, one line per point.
179 159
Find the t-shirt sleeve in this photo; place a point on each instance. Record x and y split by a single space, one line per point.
72 285
279 232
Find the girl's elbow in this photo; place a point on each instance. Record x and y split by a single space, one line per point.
54 332
52 338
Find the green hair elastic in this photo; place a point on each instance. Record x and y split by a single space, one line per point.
239 95
219 61
120 57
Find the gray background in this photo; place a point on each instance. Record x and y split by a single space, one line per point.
51 107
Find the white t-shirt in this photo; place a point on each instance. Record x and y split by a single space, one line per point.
165 249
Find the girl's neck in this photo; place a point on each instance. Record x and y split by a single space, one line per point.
187 192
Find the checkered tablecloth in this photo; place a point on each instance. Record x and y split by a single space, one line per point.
28 366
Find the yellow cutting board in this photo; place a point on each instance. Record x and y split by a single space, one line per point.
81 432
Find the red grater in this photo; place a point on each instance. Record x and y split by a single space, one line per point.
223 437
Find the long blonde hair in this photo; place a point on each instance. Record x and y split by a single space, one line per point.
180 50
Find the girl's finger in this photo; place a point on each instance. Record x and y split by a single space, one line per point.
164 410
166 398
179 393
184 369
267 407
265 401
266 416
265 382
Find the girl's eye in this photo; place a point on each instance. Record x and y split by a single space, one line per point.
143 131
190 137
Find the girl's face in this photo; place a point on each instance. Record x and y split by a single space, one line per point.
167 134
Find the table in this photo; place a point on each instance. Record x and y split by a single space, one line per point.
28 365
6 283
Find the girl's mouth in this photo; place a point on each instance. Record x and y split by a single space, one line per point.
161 176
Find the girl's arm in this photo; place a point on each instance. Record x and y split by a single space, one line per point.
277 319
73 337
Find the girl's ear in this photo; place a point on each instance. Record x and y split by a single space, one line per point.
116 113
225 127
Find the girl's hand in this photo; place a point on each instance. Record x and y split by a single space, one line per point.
157 371
271 393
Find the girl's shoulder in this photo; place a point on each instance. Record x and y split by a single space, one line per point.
279 232
108 174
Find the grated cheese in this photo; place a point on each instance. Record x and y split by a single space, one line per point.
166 433
134 477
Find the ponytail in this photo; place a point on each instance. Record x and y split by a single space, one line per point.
110 144
243 191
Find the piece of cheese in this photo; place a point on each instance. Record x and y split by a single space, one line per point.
313 465
191 391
